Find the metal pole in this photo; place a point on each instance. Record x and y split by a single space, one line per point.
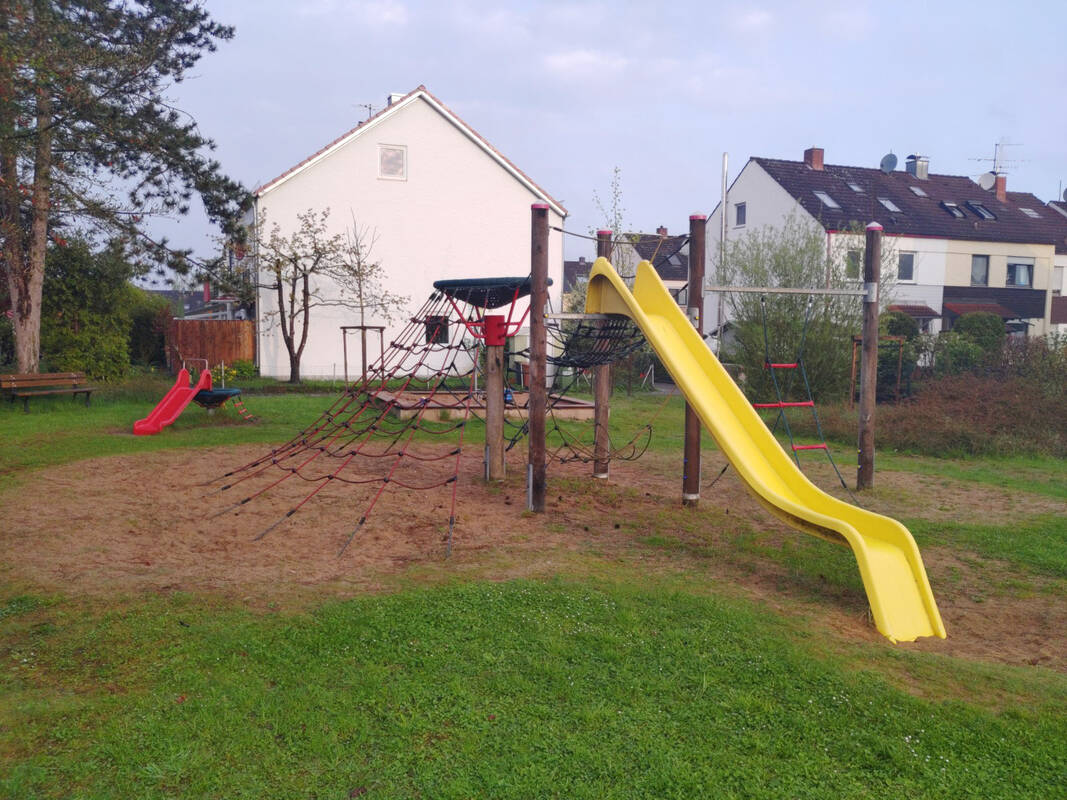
872 267
720 272
695 311
538 392
601 388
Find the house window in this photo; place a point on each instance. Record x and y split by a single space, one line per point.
1020 272
436 330
980 210
855 187
953 209
906 267
979 270
825 199
1030 213
393 162
889 204
854 264
740 211
917 191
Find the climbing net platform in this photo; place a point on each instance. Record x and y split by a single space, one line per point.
402 427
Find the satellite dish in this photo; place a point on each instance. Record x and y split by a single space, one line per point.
889 163
1065 195
987 179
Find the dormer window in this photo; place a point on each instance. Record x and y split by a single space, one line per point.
953 209
980 210
1030 213
889 205
917 191
825 199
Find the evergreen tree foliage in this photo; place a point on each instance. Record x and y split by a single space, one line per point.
88 139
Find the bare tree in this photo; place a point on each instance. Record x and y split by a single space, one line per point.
314 267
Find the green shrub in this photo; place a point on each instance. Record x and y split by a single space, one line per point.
897 323
954 354
148 317
984 329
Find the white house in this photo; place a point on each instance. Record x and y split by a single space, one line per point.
442 201
1059 273
957 247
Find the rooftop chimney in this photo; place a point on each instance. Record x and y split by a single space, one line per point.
1001 188
393 97
662 230
918 167
813 157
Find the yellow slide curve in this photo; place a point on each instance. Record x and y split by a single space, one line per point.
892 569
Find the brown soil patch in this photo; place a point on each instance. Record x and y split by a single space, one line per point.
151 523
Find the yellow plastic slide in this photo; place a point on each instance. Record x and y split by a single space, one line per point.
890 565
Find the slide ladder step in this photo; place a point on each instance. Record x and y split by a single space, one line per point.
786 404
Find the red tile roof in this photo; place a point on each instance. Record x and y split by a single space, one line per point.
259 191
918 311
919 215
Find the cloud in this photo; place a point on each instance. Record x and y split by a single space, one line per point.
582 62
755 20
374 13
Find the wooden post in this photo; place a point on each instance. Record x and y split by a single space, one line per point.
872 268
695 310
494 396
535 479
601 388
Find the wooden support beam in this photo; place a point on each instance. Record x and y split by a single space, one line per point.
536 477
691 463
872 269
602 389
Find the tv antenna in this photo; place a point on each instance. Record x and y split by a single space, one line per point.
998 159
368 106
888 163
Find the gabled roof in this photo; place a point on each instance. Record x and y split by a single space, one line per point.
667 254
416 95
1059 213
926 215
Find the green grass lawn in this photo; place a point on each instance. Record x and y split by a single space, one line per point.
613 681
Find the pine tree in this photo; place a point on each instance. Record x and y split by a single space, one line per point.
89 139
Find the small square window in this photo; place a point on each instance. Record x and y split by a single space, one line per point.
917 191
953 209
906 267
979 270
826 200
854 264
393 162
855 187
1020 274
889 204
1030 213
436 330
740 212
980 210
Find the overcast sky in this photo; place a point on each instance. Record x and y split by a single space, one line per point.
570 90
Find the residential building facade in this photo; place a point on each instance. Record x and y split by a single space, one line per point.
439 201
955 246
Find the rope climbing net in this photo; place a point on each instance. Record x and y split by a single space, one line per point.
403 426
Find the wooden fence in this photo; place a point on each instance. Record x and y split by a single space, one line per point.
216 340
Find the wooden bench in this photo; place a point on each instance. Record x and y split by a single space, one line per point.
41 383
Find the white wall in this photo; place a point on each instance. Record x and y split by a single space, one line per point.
458 214
766 204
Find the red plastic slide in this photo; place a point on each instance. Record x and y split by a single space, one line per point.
173 403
